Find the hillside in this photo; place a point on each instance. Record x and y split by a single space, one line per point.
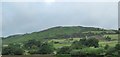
57 33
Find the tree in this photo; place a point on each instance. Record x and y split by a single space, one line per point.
83 41
92 42
108 38
110 52
46 48
106 47
78 53
64 50
117 47
12 50
32 44
113 51
88 52
77 45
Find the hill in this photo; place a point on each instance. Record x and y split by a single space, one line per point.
57 33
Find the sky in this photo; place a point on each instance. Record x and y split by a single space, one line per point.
60 0
25 17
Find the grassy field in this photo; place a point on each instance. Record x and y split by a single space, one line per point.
113 36
68 42
63 42
110 43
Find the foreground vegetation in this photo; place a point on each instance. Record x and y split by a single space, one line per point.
65 42
83 47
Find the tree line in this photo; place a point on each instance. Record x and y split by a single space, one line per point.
84 47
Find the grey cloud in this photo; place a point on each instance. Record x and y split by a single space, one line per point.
29 17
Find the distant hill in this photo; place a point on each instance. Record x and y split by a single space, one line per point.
56 33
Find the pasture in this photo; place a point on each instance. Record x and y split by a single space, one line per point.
68 42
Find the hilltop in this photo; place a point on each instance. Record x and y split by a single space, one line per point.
58 32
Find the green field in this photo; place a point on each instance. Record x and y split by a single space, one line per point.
114 41
67 42
54 32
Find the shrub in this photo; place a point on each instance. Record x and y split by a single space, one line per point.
87 52
106 46
31 44
64 50
46 48
12 50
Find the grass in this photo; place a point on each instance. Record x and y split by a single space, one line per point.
63 55
110 43
63 42
93 31
61 45
113 36
67 42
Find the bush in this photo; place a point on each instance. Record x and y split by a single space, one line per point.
92 42
113 51
117 46
108 38
95 51
110 51
87 52
106 46
12 50
32 44
64 50
33 52
46 48
78 52
77 45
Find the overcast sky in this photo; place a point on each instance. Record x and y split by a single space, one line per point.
61 0
23 17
